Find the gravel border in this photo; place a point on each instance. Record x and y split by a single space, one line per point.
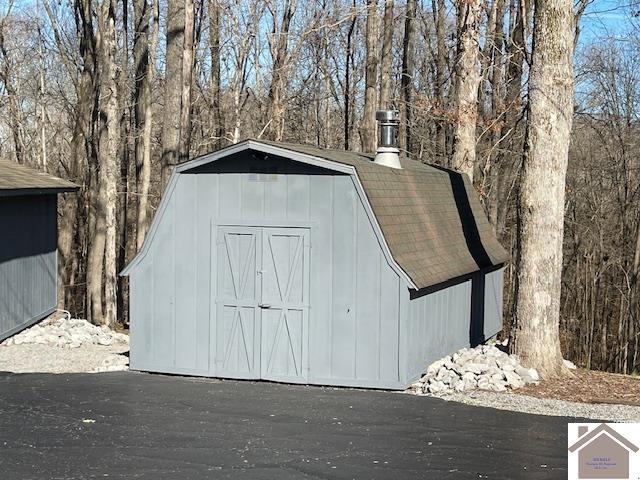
543 406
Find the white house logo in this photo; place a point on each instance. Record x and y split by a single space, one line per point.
607 450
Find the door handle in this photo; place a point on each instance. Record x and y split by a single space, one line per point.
264 305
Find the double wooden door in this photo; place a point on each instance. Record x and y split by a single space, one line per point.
262 303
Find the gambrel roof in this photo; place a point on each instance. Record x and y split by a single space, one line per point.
428 219
16 179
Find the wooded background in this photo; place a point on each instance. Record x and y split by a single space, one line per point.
111 94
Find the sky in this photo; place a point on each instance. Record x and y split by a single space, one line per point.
607 18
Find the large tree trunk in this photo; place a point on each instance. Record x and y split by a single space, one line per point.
143 140
509 152
347 78
103 246
368 123
406 79
280 54
15 113
109 157
542 190
214 47
172 87
385 63
441 65
467 81
185 92
72 239
125 199
141 101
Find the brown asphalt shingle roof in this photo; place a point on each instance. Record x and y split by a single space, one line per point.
430 217
16 178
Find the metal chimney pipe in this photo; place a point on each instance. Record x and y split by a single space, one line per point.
388 153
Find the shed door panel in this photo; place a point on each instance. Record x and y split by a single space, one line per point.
285 304
238 326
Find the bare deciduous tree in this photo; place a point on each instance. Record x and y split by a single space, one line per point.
542 189
172 87
406 79
385 62
368 122
467 81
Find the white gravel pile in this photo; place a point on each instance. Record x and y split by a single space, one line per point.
65 345
67 333
484 367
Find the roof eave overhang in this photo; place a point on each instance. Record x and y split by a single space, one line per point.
15 192
282 152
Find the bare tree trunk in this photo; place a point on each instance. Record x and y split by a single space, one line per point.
125 219
509 154
142 97
634 301
347 78
542 191
441 65
279 52
368 123
143 145
406 79
75 210
172 87
43 107
467 81
385 64
6 76
214 47
103 246
185 92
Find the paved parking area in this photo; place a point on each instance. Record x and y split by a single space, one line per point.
143 426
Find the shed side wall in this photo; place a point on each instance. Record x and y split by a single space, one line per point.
27 260
354 292
435 325
494 283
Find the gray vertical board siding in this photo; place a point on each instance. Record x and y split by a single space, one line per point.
436 324
28 260
186 268
493 302
354 293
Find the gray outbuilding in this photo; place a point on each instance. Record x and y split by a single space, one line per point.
298 264
28 245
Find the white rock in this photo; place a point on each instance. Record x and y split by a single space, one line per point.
498 386
435 366
484 384
437 387
528 375
569 364
442 373
476 368
513 379
105 340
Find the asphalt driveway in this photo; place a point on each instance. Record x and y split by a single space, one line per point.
133 425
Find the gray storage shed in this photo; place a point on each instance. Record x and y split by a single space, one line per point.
297 264
28 245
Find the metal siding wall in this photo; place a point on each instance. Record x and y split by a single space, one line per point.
493 303
186 269
162 257
28 276
353 321
437 324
